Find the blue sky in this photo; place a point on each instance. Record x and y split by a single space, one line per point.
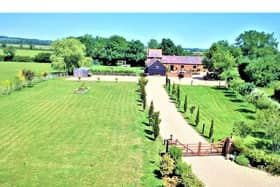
187 29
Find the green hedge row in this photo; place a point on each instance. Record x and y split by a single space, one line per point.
40 57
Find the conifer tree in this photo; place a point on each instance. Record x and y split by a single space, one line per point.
197 117
151 109
211 131
186 104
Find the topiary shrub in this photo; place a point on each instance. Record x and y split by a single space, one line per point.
242 160
176 153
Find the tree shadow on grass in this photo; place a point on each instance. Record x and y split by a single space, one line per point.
218 88
237 100
251 117
245 110
146 124
157 174
230 95
148 132
149 138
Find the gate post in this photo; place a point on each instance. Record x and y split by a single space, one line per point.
166 146
199 148
227 147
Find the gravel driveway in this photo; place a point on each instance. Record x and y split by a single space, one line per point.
214 171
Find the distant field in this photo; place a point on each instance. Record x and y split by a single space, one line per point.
221 105
50 136
27 52
35 46
8 70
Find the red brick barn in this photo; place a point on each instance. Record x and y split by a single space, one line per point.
175 65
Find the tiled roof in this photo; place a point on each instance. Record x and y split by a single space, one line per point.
154 53
150 62
192 60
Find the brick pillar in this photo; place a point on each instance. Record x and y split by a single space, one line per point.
199 148
227 147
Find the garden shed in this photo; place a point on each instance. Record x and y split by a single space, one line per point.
155 68
81 72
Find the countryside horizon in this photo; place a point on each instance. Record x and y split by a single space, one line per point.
191 30
142 104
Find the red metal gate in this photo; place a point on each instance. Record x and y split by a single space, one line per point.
198 149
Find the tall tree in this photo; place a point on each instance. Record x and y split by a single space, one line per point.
153 44
68 54
257 44
116 48
136 53
168 47
88 41
259 50
221 56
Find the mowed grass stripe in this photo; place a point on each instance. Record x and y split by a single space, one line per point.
221 105
44 110
65 139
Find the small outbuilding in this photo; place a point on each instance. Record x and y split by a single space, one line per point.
81 72
155 68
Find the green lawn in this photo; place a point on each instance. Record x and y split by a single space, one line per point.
8 70
27 52
269 91
221 105
50 136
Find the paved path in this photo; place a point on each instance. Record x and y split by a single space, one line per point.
214 171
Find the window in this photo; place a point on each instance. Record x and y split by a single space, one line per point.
182 66
172 67
194 67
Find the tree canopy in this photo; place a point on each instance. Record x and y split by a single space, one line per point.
221 58
69 53
110 51
153 44
255 55
260 61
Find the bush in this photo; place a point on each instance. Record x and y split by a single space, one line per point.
257 158
166 165
242 160
43 57
246 88
182 168
2 58
274 166
176 153
242 129
171 181
22 59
